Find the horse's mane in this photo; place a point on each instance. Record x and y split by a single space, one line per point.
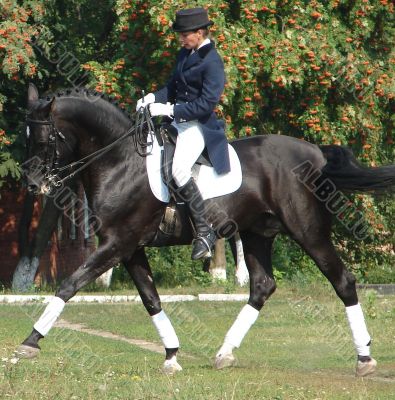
83 92
114 123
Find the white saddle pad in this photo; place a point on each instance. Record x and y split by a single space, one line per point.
208 181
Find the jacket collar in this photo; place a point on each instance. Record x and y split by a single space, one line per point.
197 56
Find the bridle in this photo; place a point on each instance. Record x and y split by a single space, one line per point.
142 142
51 158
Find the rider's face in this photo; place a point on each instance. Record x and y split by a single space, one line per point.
192 39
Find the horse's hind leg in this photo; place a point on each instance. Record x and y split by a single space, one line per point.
241 272
140 271
257 253
321 249
105 257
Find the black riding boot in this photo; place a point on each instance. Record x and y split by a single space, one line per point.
205 235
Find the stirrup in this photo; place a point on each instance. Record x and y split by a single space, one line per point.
203 245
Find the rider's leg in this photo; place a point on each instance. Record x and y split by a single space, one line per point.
205 235
190 144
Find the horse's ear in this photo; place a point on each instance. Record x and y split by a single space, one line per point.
32 93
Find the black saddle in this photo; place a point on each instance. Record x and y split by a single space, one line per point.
167 138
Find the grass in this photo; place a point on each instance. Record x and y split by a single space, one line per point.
129 289
300 348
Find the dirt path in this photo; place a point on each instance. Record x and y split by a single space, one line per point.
143 344
379 378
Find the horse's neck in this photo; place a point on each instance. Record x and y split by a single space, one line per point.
96 121
96 127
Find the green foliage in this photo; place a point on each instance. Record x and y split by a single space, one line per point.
173 266
46 45
16 59
370 302
8 167
291 263
322 71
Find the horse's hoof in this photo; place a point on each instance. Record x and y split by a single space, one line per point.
170 367
224 361
24 351
366 368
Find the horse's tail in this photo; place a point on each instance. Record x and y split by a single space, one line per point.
348 174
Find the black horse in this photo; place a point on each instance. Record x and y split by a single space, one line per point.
289 186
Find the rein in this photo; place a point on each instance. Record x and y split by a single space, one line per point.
141 145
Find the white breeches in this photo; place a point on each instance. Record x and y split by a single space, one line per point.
190 144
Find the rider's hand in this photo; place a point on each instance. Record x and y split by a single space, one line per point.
144 101
157 109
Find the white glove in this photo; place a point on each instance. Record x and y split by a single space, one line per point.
144 101
157 109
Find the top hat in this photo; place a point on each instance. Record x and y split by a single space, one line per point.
191 19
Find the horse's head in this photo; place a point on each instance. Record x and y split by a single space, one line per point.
47 147
77 124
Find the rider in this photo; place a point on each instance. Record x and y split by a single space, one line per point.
190 97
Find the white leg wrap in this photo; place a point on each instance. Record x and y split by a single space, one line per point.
226 348
165 330
246 318
49 316
358 329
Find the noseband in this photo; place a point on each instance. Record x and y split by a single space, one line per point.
142 145
51 159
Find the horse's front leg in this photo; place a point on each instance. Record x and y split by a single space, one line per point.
140 271
105 257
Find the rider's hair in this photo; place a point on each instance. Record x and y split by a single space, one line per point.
206 32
